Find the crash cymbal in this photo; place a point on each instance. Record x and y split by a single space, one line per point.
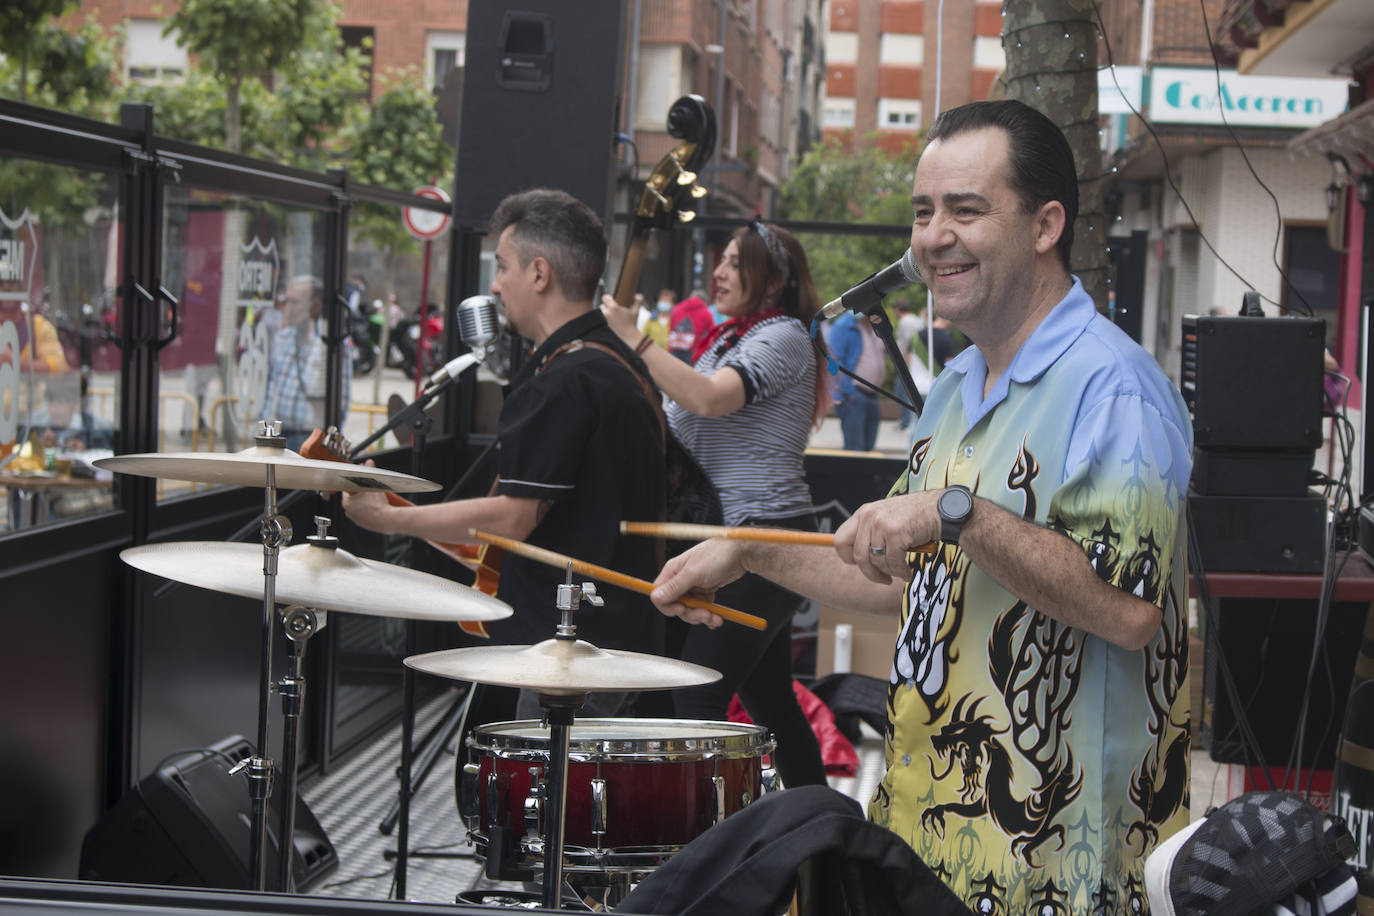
248 468
562 667
323 578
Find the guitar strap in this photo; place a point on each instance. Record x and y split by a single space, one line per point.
646 389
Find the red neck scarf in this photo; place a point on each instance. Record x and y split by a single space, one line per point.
731 331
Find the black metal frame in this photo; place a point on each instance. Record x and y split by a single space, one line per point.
143 165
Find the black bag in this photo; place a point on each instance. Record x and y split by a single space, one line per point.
692 498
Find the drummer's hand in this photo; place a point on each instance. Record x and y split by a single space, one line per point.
897 525
698 572
367 508
622 320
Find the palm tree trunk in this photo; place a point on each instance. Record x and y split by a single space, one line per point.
1051 48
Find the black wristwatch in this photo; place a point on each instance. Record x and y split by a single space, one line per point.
955 505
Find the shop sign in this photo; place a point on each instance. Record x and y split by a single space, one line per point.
1180 95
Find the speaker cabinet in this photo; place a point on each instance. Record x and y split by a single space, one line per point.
188 824
541 97
1267 645
1254 383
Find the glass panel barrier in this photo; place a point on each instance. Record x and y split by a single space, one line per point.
59 365
251 342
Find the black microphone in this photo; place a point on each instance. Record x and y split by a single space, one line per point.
868 293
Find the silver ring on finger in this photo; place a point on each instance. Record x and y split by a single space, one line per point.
877 551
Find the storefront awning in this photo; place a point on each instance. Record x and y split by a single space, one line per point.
1351 135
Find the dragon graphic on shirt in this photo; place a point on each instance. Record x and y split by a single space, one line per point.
1034 665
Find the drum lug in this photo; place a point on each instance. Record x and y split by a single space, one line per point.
769 780
471 774
494 806
598 808
718 799
534 804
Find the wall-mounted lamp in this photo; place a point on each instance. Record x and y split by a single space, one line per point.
1364 188
1333 196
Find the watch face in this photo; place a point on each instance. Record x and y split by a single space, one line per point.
956 503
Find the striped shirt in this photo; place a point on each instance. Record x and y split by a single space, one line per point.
754 455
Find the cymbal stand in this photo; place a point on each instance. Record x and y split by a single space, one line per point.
300 623
276 531
558 712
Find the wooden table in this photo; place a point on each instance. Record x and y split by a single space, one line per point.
31 493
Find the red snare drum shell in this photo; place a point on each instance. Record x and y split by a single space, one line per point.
658 774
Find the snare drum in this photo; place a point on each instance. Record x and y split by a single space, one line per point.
638 789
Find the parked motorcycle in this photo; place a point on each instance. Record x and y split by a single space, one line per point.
425 336
365 330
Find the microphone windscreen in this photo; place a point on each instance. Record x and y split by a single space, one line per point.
909 269
477 322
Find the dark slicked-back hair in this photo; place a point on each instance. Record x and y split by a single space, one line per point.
562 230
1042 166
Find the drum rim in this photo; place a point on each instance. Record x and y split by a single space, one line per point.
736 740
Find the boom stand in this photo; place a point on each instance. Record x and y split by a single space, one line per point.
882 326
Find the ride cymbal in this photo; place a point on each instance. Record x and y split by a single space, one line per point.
562 667
248 468
324 578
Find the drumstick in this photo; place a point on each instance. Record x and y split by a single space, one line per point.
683 531
687 532
583 568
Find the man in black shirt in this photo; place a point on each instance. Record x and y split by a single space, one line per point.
581 445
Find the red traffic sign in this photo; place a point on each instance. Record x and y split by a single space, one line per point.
427 224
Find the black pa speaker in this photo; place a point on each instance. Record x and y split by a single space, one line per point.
1254 383
1267 646
188 824
541 98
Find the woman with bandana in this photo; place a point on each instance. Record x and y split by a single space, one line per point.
744 407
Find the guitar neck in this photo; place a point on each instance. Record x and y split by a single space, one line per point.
629 271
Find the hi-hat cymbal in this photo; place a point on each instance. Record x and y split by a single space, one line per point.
323 578
248 468
562 667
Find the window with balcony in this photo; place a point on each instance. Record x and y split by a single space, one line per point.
842 47
899 114
838 113
151 58
907 50
988 53
443 52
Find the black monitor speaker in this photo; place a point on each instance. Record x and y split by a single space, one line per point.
188 824
1254 382
541 103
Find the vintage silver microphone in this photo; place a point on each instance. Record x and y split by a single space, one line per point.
479 327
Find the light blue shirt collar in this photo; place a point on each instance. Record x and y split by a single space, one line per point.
1059 329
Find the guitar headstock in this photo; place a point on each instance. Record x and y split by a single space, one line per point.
326 446
671 191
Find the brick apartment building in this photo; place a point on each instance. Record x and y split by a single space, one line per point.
758 62
881 63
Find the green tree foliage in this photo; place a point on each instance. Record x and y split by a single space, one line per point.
313 97
75 71
865 185
400 145
240 41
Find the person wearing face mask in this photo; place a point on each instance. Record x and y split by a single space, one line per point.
744 408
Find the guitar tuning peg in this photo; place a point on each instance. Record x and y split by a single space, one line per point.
698 192
686 216
685 177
